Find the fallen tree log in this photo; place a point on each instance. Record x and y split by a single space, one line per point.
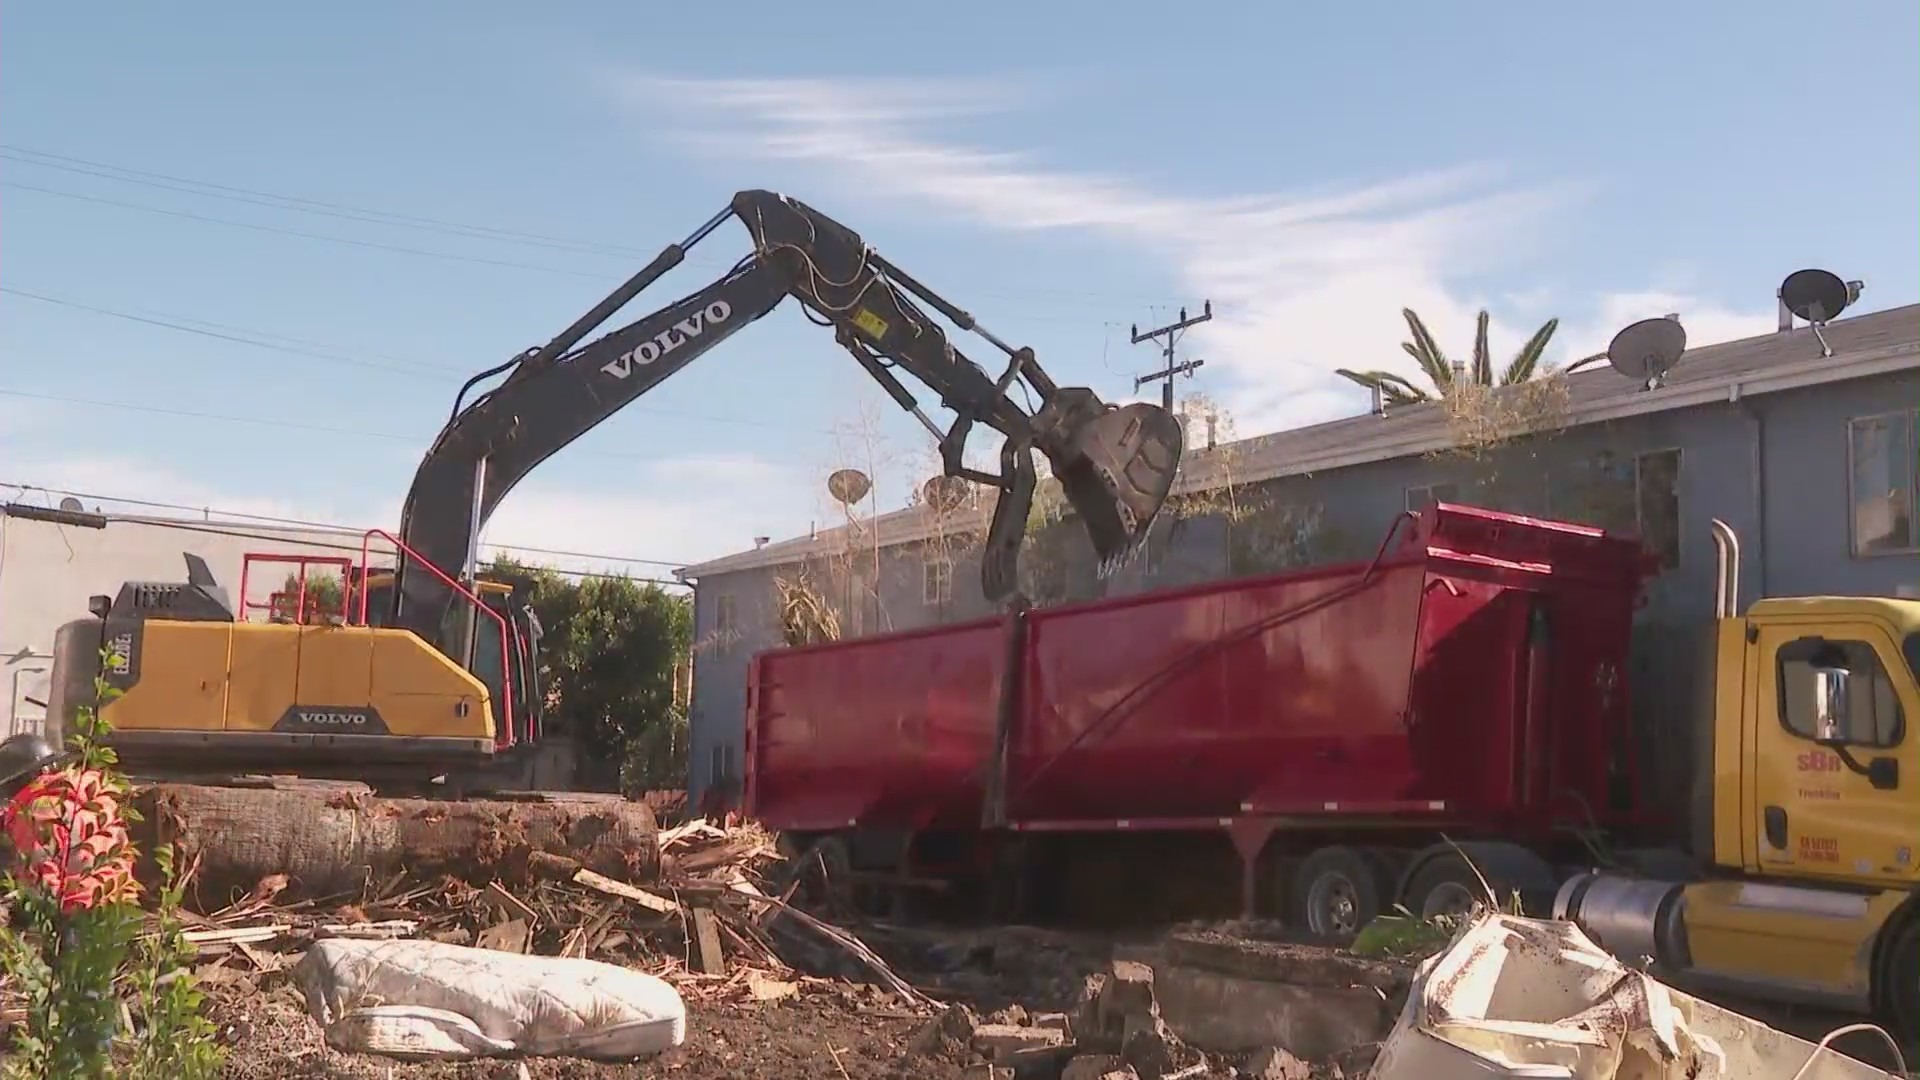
333 839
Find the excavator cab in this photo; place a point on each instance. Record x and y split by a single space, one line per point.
511 597
512 676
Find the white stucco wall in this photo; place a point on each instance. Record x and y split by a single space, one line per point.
48 571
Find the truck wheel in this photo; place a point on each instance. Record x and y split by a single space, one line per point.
1335 893
1009 884
825 872
1446 885
1901 995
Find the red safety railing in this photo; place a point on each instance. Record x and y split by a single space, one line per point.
503 735
273 605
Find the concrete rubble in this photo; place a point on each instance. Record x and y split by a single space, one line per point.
1508 997
1235 993
1118 1028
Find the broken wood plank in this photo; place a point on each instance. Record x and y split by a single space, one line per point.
510 936
261 961
508 904
236 934
602 883
855 947
388 930
706 932
766 988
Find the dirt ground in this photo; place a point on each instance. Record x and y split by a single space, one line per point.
837 1031
791 1040
832 1030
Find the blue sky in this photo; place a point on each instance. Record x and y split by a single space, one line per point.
1061 170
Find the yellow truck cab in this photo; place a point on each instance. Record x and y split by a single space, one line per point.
1805 814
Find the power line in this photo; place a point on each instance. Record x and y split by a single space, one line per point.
244 336
240 337
171 319
274 519
297 425
301 204
190 414
366 215
564 554
185 526
283 231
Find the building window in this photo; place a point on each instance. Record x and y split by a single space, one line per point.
720 765
1882 491
1656 499
1419 498
936 582
1873 715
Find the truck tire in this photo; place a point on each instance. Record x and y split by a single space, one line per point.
823 872
1444 885
1009 884
1900 992
1335 893
1507 868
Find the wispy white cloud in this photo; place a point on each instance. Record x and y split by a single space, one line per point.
1302 282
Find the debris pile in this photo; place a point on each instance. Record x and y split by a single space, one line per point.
770 989
703 922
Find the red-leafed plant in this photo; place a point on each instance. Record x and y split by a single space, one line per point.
74 947
70 841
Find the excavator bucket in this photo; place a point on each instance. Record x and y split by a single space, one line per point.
1117 470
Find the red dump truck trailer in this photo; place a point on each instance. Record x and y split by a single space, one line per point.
1334 737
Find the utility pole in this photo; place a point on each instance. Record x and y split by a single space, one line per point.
1171 332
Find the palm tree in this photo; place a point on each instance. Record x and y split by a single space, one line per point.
1395 390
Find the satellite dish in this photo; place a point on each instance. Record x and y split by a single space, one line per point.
71 504
945 493
849 486
1817 296
1647 350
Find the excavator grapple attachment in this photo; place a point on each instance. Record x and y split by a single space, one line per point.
1117 471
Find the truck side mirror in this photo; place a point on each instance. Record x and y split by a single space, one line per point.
99 605
1884 773
1830 705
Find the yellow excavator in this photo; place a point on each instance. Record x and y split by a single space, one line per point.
431 669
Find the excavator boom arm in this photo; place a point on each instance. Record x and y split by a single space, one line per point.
1115 465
